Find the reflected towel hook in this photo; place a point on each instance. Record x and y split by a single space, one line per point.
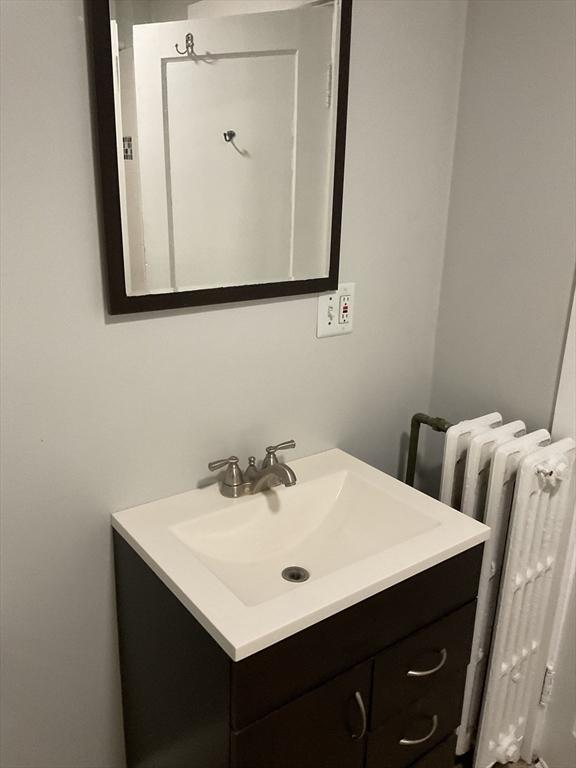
189 42
229 135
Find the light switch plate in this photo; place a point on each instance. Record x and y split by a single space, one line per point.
336 311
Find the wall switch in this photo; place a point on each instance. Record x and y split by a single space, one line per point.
336 311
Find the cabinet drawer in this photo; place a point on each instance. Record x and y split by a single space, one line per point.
424 661
324 650
325 727
442 756
421 727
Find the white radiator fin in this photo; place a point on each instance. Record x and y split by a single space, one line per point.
478 464
504 463
458 439
538 515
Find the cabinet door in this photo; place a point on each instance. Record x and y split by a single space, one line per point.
325 727
421 663
419 729
441 757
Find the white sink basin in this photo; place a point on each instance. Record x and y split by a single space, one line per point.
321 525
353 528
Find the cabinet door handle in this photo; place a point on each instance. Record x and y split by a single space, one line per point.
426 672
412 742
358 699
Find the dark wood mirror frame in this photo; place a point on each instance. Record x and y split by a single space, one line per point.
98 30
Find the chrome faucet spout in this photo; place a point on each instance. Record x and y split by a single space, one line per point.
273 475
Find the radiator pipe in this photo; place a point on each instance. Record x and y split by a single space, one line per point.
436 423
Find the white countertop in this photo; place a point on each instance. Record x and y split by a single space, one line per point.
243 626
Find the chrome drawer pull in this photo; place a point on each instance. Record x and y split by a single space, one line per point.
412 742
426 672
362 708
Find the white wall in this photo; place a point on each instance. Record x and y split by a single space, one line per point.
102 415
564 422
510 247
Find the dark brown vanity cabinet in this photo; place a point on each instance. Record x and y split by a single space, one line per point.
378 685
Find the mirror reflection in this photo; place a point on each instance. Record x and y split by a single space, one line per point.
225 122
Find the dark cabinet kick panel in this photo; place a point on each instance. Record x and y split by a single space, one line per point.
336 695
322 728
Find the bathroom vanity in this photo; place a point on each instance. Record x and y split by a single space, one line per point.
362 665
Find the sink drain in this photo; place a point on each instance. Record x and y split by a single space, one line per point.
295 573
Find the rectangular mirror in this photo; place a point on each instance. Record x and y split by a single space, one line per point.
221 132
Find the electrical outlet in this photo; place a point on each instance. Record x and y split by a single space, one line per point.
345 310
336 311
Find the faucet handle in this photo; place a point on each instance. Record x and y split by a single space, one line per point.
219 463
233 475
271 457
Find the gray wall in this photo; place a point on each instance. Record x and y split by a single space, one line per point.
510 250
104 415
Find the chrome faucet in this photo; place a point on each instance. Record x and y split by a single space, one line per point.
268 477
235 483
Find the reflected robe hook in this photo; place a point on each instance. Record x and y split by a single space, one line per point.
189 42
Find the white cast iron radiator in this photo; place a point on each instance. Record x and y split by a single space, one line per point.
519 484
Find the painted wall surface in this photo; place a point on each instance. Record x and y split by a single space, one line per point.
101 415
509 263
564 423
